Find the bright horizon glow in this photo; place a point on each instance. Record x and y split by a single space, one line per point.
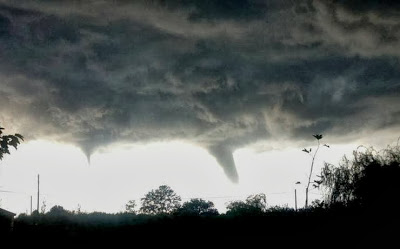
121 173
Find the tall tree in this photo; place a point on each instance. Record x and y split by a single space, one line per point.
160 201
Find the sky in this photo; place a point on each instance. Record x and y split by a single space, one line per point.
215 98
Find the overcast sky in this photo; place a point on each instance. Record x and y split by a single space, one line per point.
222 75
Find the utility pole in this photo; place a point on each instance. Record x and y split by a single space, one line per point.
38 183
31 204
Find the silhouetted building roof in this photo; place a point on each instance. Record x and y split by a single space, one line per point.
6 221
6 213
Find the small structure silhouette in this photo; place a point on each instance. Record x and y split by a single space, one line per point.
6 221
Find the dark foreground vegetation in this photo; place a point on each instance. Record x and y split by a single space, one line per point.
314 221
362 200
101 226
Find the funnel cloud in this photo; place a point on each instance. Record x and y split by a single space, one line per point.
225 159
220 74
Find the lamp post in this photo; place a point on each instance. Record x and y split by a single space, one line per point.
295 195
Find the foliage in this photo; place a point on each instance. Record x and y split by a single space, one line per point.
8 140
67 225
130 207
280 211
160 201
370 179
43 207
78 209
275 209
57 211
197 207
59 223
254 205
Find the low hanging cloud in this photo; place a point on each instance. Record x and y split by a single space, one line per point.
221 74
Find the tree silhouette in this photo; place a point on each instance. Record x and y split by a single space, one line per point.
308 151
254 205
160 201
130 207
8 140
371 179
57 211
43 207
198 207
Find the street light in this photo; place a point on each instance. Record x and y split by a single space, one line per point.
295 195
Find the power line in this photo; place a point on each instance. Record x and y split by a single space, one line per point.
14 192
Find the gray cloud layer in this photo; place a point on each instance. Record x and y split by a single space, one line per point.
222 74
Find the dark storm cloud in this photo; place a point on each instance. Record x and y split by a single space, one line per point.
222 74
369 5
236 9
369 29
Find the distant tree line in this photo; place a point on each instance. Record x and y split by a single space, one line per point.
165 201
